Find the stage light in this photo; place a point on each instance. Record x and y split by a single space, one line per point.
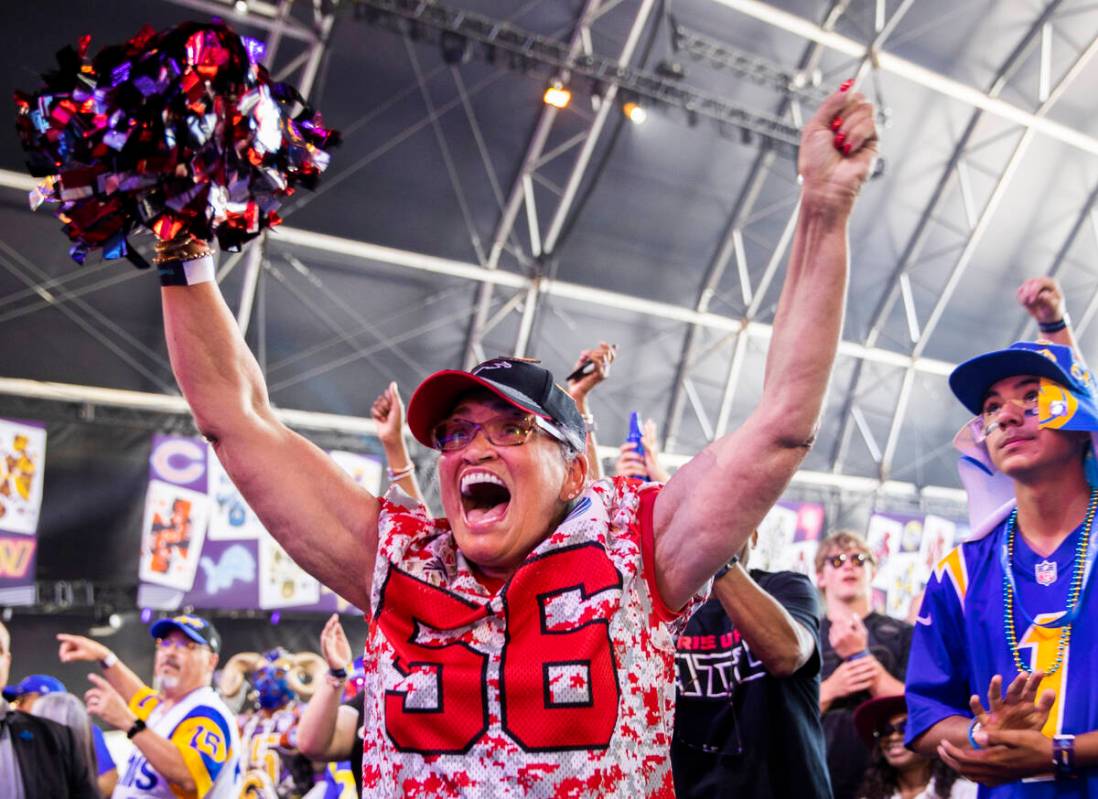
115 620
146 615
455 47
557 95
241 6
634 112
276 617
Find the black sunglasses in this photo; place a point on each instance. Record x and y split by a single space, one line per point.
858 559
888 729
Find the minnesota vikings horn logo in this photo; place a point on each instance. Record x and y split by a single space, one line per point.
1055 405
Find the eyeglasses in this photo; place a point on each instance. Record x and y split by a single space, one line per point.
889 729
857 558
994 408
170 643
503 431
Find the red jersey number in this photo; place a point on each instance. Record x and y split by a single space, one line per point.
559 687
453 715
559 681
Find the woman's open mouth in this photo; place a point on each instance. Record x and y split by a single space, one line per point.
484 498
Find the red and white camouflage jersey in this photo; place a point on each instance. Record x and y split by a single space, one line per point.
558 686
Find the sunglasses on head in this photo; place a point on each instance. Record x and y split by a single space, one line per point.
888 729
857 558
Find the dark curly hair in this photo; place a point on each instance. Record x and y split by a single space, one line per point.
881 782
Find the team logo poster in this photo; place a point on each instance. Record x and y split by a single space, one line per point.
22 464
788 538
894 540
203 546
176 512
17 559
231 518
907 548
282 583
22 467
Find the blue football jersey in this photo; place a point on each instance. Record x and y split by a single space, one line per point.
960 643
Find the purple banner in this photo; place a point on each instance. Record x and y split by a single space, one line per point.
22 480
202 546
17 558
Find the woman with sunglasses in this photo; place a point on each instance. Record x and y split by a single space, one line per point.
864 653
895 771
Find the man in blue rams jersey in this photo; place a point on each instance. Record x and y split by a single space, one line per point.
185 739
1013 599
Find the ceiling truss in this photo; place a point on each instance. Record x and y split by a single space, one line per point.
547 222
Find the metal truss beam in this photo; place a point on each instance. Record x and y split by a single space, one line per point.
1084 218
262 15
281 25
936 82
367 253
913 248
310 420
983 222
170 404
609 103
731 242
530 162
799 82
532 49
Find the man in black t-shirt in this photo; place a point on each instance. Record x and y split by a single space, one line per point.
747 720
864 654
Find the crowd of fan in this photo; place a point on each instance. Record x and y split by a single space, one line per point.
534 638
779 694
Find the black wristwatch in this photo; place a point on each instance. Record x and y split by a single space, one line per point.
137 727
726 567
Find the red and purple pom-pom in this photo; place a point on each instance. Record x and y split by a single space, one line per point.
177 132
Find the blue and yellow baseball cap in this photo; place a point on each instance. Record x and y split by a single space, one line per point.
194 627
1065 401
1067 394
34 684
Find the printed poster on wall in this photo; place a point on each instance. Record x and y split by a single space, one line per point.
282 583
204 546
172 534
22 477
907 548
22 467
231 518
788 538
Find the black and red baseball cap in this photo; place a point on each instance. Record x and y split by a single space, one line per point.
520 382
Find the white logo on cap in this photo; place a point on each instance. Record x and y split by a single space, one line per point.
492 365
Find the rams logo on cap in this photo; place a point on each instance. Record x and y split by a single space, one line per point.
1055 405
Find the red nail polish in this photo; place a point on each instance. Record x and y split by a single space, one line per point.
836 123
847 148
840 138
846 85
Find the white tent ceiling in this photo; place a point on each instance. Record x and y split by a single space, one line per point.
462 217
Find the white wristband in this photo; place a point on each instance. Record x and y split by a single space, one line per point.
188 273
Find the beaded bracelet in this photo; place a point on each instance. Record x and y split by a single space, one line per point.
400 474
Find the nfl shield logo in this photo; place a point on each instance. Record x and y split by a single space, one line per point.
1046 572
